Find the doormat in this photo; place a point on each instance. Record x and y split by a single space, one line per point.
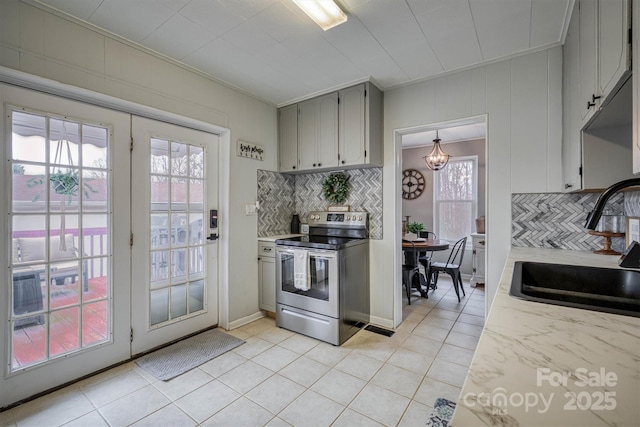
442 413
178 358
381 331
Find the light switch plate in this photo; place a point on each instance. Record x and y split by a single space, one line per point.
250 209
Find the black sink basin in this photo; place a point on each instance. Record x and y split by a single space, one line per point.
600 289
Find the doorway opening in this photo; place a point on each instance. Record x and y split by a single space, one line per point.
450 200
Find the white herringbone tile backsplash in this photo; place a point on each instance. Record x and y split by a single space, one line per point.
556 220
282 195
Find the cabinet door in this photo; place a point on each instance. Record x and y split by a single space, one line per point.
571 124
307 134
327 128
288 138
352 126
588 58
267 277
636 92
613 43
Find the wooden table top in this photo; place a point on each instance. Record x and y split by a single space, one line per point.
427 245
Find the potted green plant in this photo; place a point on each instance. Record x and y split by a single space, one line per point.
415 227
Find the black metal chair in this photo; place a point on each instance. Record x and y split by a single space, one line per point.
410 269
425 259
451 267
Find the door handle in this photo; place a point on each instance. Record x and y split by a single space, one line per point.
212 237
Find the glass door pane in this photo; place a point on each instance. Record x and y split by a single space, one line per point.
176 215
60 237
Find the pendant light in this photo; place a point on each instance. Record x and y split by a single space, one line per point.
436 159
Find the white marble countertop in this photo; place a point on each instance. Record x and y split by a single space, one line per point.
274 238
547 365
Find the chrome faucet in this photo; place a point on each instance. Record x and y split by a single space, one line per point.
596 213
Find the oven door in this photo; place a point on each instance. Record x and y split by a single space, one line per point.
322 268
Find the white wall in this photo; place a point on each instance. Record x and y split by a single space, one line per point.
43 44
521 98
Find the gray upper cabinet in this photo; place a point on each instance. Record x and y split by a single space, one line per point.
339 130
360 128
288 138
636 91
604 52
571 120
596 95
614 44
318 132
588 47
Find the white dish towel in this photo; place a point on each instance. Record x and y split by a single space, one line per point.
301 278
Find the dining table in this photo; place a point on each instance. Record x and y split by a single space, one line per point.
424 245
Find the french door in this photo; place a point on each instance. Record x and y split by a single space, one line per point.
105 252
65 265
174 276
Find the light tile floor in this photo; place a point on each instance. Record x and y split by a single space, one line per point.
279 378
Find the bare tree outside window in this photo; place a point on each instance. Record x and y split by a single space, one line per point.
456 189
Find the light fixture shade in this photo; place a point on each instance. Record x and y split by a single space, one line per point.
436 159
325 13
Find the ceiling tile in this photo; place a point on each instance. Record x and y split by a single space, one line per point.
248 38
279 22
178 37
502 26
246 8
547 21
133 20
449 28
403 41
216 19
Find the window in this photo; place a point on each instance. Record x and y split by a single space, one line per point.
455 198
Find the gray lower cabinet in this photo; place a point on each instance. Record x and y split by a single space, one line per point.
267 276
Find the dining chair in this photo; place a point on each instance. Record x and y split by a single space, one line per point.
410 269
451 267
424 259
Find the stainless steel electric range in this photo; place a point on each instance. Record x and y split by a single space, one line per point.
322 279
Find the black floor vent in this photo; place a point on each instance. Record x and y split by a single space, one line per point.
381 331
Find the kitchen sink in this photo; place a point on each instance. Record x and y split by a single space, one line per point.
601 289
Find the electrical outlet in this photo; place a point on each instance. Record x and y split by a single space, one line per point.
304 228
250 209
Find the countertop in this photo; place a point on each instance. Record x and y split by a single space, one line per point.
547 365
274 238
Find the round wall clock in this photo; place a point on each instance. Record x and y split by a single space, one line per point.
413 184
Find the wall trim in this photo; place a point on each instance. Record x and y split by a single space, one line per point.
245 320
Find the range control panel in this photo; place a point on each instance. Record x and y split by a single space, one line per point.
331 219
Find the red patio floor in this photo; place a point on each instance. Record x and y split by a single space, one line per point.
29 341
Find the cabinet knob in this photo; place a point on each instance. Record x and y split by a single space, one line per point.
343 162
568 185
481 242
319 164
314 165
294 167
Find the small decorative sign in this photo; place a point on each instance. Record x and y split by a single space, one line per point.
249 150
338 208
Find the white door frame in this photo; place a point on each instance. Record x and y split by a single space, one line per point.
397 231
